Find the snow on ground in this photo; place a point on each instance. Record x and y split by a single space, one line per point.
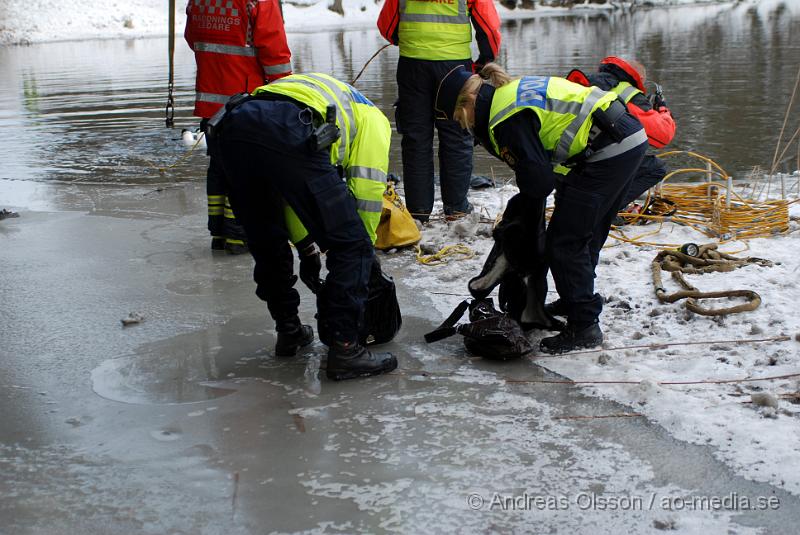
759 442
30 21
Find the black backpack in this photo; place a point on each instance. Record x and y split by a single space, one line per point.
490 334
382 317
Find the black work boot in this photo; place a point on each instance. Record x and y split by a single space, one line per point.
556 308
236 247
348 361
289 342
217 243
580 337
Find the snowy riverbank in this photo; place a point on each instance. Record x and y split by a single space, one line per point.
759 442
37 21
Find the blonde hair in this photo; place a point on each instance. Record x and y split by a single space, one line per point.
496 74
464 112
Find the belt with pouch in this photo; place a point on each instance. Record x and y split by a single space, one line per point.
605 122
216 121
606 140
603 132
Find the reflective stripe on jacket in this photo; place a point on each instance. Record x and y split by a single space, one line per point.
362 150
440 29
238 45
626 91
658 124
435 30
564 110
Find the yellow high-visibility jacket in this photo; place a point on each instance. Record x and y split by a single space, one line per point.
435 30
625 91
564 110
362 150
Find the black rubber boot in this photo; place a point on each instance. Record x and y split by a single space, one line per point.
348 361
217 243
494 268
289 342
573 338
556 308
236 247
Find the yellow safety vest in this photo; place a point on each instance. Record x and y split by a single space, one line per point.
435 29
564 110
626 91
362 149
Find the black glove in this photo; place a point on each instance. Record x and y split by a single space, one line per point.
657 101
310 266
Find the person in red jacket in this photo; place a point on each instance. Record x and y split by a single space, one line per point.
238 45
434 37
626 78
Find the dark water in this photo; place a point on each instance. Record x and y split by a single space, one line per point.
94 111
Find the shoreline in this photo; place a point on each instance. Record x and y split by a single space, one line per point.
148 20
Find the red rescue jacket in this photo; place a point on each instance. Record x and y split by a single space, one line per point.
658 123
238 45
484 18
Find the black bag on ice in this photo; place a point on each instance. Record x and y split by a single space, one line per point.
517 264
490 334
382 317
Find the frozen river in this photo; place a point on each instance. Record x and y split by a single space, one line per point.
187 423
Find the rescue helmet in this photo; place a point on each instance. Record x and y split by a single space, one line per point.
447 94
577 76
631 67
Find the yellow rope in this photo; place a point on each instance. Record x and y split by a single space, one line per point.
638 239
710 208
441 257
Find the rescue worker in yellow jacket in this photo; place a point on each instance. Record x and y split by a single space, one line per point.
434 37
310 152
557 134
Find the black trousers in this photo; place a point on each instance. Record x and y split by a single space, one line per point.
219 225
651 171
418 81
586 203
263 145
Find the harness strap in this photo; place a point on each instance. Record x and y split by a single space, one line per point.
447 328
605 122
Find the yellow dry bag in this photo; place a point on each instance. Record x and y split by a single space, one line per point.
396 228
